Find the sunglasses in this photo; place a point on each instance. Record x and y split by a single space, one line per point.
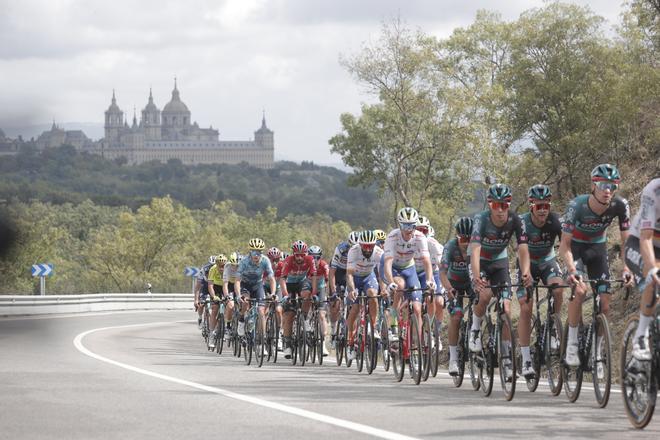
407 226
367 247
423 229
541 206
604 185
255 253
299 255
503 206
463 238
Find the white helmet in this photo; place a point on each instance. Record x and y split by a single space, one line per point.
423 221
407 215
431 232
353 237
212 259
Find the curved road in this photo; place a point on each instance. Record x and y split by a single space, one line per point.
147 375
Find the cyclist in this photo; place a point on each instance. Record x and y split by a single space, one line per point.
298 277
543 227
215 287
201 289
643 258
337 276
361 278
322 270
397 265
251 271
229 277
436 307
455 278
276 261
489 263
584 246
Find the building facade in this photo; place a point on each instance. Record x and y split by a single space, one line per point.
167 134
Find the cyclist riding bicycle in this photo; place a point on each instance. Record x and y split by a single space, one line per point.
642 252
251 271
584 246
276 261
215 287
489 261
361 278
455 277
201 288
337 276
322 271
543 227
298 278
397 265
229 277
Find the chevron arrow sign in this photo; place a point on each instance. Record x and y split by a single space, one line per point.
42 270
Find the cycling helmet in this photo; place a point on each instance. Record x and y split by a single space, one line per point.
431 233
315 251
407 215
367 237
285 255
233 258
257 244
605 171
539 192
299 247
212 259
380 234
499 192
274 253
423 222
353 237
464 226
221 258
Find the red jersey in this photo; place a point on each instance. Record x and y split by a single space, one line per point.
322 270
295 273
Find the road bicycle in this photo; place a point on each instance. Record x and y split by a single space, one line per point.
383 323
640 379
272 330
364 343
407 348
464 356
254 338
340 335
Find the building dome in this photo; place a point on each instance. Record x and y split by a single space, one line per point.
175 105
151 107
114 108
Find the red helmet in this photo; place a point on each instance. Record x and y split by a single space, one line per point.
274 253
299 247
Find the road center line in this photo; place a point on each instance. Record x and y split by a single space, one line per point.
365 429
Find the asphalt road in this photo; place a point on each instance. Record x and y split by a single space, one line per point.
148 375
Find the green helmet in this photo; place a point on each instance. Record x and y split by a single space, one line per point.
605 171
499 192
539 192
464 226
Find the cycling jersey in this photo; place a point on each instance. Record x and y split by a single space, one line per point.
202 277
252 273
435 252
296 273
404 252
215 276
340 257
361 265
493 239
230 273
648 216
589 227
455 265
541 240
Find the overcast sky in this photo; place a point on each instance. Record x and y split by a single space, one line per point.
61 59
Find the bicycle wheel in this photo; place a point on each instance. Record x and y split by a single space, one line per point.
460 355
601 356
269 337
311 339
259 341
340 336
435 355
426 347
302 341
371 351
469 357
361 345
220 342
416 348
396 351
320 339
506 358
572 376
275 339
294 341
535 353
553 351
487 358
639 385
248 341
385 344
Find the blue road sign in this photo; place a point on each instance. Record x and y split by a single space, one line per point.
191 271
42 270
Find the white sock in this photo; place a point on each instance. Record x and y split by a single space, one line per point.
526 355
453 352
572 334
476 322
643 327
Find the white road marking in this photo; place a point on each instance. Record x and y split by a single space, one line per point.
365 429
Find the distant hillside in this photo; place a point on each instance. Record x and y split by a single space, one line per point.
61 175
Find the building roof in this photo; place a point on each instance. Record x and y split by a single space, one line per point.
175 105
114 108
151 107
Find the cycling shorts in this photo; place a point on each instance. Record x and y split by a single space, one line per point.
455 306
496 272
544 271
362 284
255 290
591 258
635 263
421 276
409 275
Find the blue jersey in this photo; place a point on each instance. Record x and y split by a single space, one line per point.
252 273
340 257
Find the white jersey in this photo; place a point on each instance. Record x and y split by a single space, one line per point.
435 250
404 252
648 216
363 266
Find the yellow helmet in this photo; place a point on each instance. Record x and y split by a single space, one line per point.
233 258
257 244
221 258
380 234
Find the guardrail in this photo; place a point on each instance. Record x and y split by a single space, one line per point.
21 305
